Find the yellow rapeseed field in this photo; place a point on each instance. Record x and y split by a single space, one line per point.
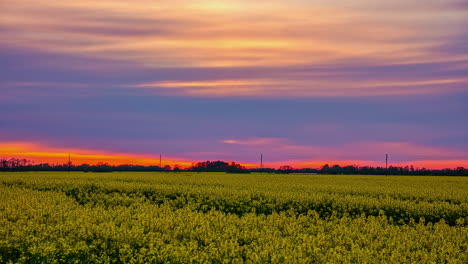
136 217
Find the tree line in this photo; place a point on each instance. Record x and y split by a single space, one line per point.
14 164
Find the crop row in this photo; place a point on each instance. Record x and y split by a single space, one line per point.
218 193
39 226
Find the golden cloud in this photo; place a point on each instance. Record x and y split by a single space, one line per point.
180 33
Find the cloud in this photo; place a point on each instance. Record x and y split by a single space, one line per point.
279 148
254 141
401 151
181 33
322 49
314 87
270 82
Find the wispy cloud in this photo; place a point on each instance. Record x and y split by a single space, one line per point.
226 34
400 151
321 86
254 141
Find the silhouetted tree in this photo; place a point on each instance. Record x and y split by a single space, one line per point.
325 169
285 169
236 168
13 164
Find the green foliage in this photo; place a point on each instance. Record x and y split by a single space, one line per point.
224 218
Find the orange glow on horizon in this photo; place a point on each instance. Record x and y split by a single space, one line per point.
38 153
42 154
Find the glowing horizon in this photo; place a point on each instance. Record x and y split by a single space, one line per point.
38 154
43 154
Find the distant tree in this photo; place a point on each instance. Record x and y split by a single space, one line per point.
349 170
14 164
325 169
236 168
335 169
210 166
102 167
285 169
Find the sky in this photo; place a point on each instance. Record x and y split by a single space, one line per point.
302 82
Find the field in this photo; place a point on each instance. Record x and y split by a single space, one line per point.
60 217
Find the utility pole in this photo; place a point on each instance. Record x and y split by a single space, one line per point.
160 164
261 163
386 164
69 162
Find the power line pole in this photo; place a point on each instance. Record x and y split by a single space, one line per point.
386 164
261 163
160 163
69 162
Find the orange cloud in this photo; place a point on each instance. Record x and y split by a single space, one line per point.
43 154
181 33
224 33
320 86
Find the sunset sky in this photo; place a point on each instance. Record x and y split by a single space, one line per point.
303 82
